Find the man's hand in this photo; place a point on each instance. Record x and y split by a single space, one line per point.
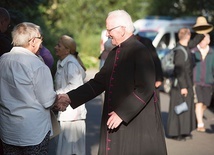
114 120
184 92
158 84
62 102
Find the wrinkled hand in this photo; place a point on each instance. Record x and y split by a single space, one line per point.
62 102
114 120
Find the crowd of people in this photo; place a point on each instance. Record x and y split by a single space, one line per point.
195 73
130 76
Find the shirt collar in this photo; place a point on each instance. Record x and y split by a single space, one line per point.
61 63
17 49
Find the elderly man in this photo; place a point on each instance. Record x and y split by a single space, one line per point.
131 120
26 95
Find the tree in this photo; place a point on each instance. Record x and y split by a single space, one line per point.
84 20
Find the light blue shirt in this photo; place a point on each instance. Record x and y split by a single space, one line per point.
26 93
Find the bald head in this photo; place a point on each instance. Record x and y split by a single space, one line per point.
4 19
4 14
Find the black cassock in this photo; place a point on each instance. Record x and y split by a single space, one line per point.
128 78
184 123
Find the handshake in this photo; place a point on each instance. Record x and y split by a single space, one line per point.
61 103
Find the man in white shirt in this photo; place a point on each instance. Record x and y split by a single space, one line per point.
26 95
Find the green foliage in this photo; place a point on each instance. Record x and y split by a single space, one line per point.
85 19
92 44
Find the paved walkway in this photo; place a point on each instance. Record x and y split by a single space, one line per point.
201 144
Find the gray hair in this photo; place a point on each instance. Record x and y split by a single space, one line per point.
123 18
24 32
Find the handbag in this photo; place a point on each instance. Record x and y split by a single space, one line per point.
181 108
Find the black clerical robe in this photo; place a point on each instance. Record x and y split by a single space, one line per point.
128 79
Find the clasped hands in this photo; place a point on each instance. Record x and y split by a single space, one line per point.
61 103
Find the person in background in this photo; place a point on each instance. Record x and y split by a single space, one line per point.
203 79
131 121
107 48
46 56
5 40
103 56
158 69
26 95
70 75
179 127
203 71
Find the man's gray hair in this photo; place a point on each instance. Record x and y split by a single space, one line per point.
24 32
123 19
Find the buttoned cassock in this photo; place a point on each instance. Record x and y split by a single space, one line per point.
128 79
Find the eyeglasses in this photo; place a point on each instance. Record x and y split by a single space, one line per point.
109 30
41 38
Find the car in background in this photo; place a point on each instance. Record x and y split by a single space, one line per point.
163 32
164 35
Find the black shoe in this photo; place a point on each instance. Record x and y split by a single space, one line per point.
178 138
187 136
181 138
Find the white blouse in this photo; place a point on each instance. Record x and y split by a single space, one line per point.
69 76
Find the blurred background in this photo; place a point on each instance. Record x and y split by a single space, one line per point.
85 20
